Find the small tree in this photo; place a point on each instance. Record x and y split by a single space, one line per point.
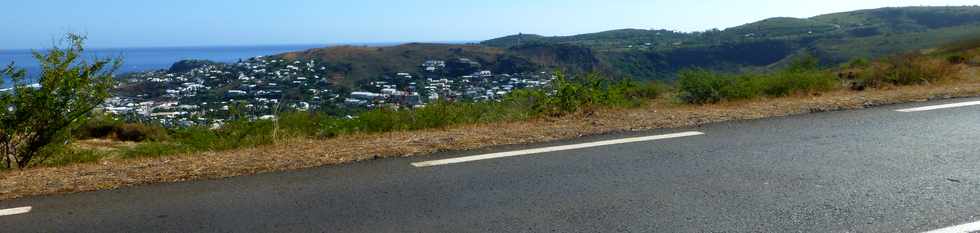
35 118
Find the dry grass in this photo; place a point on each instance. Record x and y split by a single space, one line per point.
305 153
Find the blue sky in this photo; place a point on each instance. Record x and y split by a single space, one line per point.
159 23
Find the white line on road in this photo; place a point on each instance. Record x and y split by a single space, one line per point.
935 107
965 228
15 211
552 149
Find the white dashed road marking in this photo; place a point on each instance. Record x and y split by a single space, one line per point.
15 211
965 228
944 106
552 149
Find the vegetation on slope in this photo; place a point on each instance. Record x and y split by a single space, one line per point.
834 38
566 95
577 95
661 54
701 86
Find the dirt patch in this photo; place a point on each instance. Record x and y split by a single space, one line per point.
304 153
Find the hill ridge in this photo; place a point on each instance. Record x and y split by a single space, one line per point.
659 53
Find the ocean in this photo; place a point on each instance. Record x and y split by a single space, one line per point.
145 59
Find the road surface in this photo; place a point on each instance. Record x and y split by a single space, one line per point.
885 169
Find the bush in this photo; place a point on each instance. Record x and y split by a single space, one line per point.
701 86
35 118
911 69
796 82
140 132
528 103
593 90
956 59
98 126
104 126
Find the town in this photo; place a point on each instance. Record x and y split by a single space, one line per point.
204 93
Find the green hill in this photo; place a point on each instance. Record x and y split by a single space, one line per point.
783 27
658 54
835 38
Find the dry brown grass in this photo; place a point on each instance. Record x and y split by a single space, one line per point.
305 153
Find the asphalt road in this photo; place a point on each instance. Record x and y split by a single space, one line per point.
872 170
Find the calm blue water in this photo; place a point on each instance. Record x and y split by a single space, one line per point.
144 59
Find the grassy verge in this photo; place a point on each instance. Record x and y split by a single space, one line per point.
565 95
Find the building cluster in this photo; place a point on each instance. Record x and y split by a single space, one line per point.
259 88
214 93
405 90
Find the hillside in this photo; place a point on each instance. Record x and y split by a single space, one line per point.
350 64
658 54
835 38
887 31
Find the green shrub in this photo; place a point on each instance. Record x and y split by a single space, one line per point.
593 90
104 126
701 86
135 132
643 90
797 82
98 126
527 103
35 118
910 69
956 59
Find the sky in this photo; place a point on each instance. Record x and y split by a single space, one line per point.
168 23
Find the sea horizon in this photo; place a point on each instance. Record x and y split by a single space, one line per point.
142 59
369 44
